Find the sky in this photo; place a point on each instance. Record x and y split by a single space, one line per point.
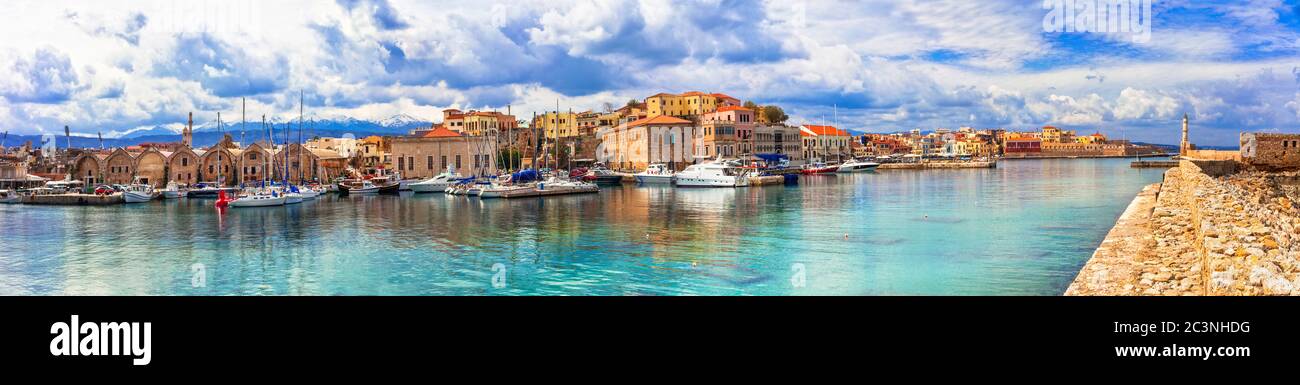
871 66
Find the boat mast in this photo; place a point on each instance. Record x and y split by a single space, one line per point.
243 112
300 114
219 148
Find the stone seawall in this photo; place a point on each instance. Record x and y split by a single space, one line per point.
1233 234
936 165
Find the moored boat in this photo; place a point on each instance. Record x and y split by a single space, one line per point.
437 183
259 199
139 193
655 173
173 191
713 174
855 165
817 168
9 196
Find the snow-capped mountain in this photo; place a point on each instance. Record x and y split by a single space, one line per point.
283 128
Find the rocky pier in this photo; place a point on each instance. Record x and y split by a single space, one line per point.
1205 230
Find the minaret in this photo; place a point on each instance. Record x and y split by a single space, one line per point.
187 137
1184 146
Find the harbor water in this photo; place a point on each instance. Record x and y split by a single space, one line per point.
1023 228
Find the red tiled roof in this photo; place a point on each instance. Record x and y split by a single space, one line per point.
822 131
723 96
658 121
441 132
733 108
692 93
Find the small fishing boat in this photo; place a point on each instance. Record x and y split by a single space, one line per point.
817 168
390 188
9 196
655 173
855 165
173 191
139 193
362 187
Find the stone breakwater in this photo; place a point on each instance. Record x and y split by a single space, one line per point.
1197 234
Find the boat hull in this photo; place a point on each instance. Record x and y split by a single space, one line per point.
654 179
137 197
857 168
259 202
710 182
429 187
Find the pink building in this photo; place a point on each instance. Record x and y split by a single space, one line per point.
741 118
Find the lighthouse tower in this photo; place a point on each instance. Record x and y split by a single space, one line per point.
1184 146
187 136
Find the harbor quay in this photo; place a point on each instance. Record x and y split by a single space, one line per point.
1220 223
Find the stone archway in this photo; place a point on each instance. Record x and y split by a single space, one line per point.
88 170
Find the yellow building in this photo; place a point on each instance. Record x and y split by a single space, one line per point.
557 124
1096 138
1056 135
686 104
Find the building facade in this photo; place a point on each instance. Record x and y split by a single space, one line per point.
428 155
825 143
661 139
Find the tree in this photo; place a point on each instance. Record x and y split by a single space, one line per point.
751 105
775 114
631 102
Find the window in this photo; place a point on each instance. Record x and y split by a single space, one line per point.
410 163
252 156
401 164
430 165
457 162
444 163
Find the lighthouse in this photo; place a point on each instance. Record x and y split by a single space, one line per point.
1184 146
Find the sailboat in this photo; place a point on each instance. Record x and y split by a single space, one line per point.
264 196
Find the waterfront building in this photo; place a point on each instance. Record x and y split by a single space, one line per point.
1019 147
89 167
1095 138
182 166
687 104
253 165
428 155
230 157
779 139
479 123
118 167
346 147
1052 134
825 143
557 124
332 164
659 139
376 152
739 120
302 164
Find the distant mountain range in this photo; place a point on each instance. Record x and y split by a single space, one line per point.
209 133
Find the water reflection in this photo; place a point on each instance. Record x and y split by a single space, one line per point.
1023 228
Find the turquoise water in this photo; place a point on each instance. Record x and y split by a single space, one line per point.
1024 228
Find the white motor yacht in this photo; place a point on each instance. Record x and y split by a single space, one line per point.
655 173
438 183
260 199
855 165
713 174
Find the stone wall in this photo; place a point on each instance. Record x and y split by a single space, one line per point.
1205 235
1271 151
